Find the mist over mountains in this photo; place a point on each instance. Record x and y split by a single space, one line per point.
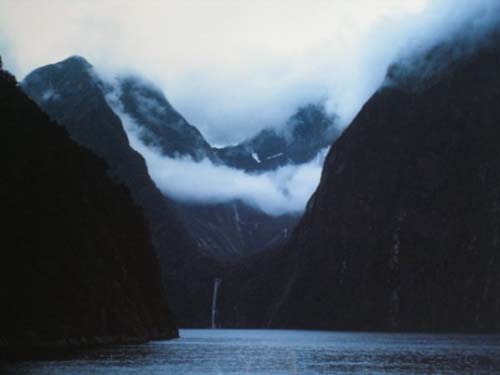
187 168
275 172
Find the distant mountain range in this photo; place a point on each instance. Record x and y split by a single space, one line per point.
298 141
307 132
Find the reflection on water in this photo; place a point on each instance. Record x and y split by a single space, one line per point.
259 352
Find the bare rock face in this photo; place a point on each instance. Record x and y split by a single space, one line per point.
403 231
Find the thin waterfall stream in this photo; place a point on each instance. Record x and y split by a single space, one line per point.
217 282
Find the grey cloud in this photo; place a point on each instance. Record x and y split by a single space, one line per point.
233 67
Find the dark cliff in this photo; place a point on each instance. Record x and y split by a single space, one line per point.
72 94
403 231
78 266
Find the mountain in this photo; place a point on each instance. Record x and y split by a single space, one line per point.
403 232
229 231
78 267
161 125
71 93
309 130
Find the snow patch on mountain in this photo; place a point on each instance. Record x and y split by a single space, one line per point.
255 157
274 156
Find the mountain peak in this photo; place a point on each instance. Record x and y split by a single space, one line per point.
70 71
75 59
160 123
74 64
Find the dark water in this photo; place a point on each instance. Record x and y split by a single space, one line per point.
259 352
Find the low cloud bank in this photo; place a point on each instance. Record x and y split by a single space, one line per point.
283 191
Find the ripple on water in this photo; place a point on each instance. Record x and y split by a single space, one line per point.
283 352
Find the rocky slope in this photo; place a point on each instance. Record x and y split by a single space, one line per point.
403 231
78 267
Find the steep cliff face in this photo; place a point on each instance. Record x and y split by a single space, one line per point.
403 231
72 94
78 266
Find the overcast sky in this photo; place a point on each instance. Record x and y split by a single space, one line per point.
232 67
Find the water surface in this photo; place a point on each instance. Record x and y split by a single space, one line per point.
271 352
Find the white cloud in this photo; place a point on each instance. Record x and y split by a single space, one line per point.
234 66
285 190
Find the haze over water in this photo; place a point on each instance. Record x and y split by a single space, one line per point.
284 352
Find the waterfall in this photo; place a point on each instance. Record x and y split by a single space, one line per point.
217 282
